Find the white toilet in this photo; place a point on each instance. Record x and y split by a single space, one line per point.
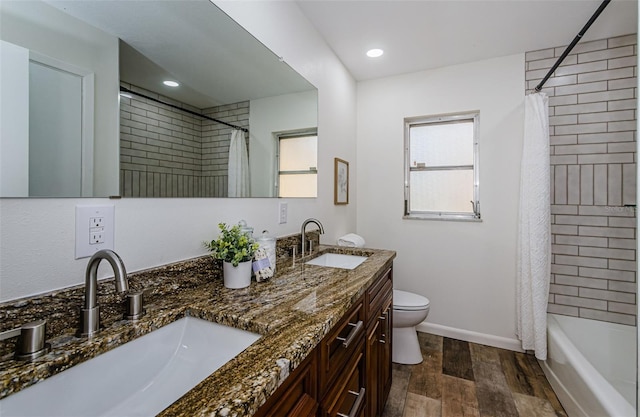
409 310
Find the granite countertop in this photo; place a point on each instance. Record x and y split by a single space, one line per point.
292 312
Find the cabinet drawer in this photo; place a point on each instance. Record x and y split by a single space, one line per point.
340 344
347 397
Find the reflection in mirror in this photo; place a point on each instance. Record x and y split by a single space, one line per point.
169 142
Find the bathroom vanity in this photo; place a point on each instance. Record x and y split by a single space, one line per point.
324 346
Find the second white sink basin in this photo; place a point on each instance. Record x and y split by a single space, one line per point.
139 378
338 260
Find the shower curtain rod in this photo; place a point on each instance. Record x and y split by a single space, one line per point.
126 90
572 44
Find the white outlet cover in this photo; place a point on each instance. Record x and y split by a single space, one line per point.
84 214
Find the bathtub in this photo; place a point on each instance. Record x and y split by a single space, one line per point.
597 379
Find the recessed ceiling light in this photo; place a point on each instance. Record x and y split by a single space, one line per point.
170 83
127 95
374 53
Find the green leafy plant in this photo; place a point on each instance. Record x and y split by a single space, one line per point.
232 245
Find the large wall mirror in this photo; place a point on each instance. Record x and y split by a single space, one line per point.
85 112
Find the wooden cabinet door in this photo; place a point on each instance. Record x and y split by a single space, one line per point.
373 368
385 364
297 397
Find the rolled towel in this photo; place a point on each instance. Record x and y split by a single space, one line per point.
351 240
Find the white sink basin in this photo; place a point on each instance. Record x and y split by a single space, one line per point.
338 260
139 378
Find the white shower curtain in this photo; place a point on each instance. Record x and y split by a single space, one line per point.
534 228
238 166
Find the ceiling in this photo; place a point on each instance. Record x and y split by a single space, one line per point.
194 42
424 34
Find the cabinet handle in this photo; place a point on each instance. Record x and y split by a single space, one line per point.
356 405
352 334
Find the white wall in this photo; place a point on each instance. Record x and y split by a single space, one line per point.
14 120
44 29
271 115
37 235
466 269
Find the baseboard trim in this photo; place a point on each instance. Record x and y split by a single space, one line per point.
469 336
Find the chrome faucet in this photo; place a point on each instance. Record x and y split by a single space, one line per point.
90 314
302 232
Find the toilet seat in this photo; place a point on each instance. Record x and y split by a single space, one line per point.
408 301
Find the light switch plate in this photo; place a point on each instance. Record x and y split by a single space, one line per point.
95 227
282 212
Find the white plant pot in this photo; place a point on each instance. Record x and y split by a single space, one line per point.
236 276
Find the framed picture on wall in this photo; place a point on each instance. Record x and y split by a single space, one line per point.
341 178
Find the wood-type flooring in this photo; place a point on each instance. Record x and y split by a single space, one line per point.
461 379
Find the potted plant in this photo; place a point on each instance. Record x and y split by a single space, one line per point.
236 250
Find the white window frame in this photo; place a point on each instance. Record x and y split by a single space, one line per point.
292 134
473 215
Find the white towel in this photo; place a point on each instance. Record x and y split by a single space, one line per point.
351 240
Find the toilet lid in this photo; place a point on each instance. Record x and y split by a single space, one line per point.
403 300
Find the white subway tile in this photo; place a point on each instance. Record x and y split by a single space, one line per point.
621 126
610 116
582 281
605 54
629 104
565 229
582 68
622 308
629 222
607 274
622 41
618 232
628 61
600 184
622 265
608 316
563 289
582 241
563 310
621 297
581 261
606 137
581 108
564 249
605 75
614 158
592 97
581 88
622 243
622 83
580 149
624 254
581 302
582 220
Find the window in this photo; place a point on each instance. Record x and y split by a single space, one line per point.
297 164
441 167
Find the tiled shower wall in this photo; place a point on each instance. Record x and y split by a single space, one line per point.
165 152
592 119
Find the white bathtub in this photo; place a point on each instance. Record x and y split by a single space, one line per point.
598 378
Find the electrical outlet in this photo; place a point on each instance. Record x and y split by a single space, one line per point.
282 212
96 222
95 227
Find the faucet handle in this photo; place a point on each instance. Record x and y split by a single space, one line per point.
31 341
134 305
